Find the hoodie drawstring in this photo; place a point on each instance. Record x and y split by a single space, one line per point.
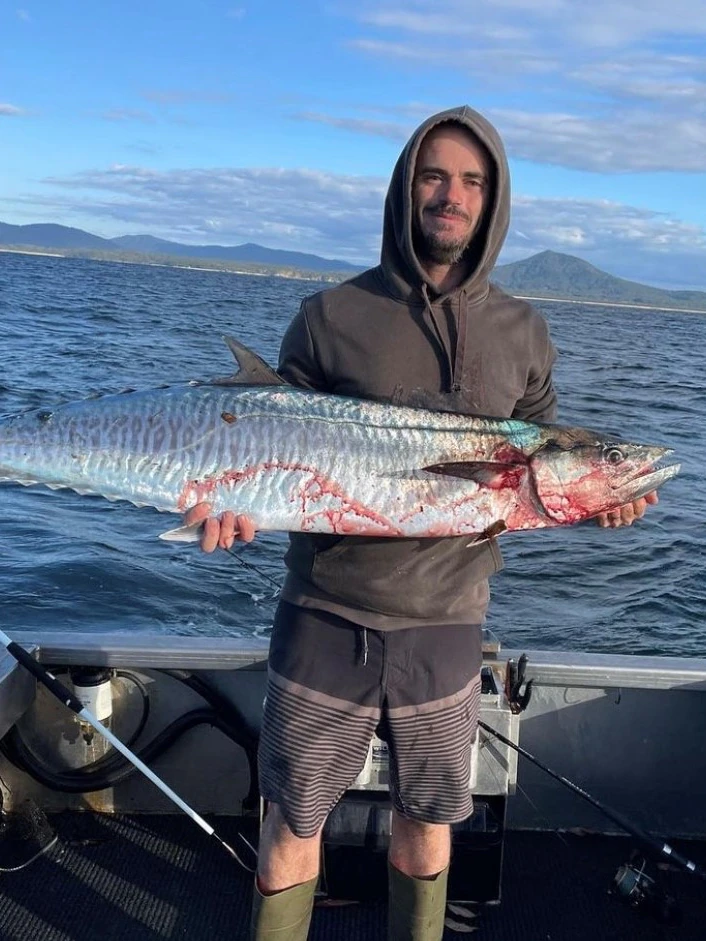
461 337
439 335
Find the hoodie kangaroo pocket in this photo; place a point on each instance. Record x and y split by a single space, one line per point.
416 578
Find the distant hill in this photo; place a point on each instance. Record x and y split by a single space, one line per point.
47 235
552 274
249 251
547 274
62 237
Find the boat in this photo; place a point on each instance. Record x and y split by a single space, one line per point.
536 860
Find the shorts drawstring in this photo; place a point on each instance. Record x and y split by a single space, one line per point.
364 645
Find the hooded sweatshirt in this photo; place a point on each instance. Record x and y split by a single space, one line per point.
390 335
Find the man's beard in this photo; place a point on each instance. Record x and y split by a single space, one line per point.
433 248
437 249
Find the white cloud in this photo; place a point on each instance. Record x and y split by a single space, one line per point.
10 111
630 140
24 16
559 222
395 131
588 23
336 216
632 71
670 80
615 87
491 65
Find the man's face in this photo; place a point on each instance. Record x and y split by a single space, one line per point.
449 192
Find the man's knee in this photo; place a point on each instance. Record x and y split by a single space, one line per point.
418 848
417 829
284 858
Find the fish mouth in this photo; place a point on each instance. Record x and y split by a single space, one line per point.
647 480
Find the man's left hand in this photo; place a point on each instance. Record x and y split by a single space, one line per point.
626 515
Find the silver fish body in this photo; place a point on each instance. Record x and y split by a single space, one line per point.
295 460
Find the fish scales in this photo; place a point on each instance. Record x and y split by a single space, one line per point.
306 461
359 459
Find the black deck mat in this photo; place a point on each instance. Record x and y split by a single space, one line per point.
119 878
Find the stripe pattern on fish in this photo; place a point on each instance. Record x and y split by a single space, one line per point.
295 460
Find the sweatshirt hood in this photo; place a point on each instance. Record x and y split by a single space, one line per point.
399 258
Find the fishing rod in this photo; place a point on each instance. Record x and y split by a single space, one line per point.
64 695
253 568
649 842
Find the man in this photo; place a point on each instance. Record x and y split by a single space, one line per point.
386 633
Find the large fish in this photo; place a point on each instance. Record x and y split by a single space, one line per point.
307 461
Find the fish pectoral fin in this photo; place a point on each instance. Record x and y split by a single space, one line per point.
486 473
492 532
183 534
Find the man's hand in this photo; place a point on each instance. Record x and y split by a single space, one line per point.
626 515
220 532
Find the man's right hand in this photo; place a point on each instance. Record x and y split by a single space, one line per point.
220 531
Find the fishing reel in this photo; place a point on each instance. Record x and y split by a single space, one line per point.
517 699
633 886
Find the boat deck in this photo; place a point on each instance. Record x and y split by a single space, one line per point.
134 878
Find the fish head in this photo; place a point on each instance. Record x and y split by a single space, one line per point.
578 474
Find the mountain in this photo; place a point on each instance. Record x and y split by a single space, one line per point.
553 274
249 252
62 237
47 235
547 274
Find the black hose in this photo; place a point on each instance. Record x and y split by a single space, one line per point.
81 781
215 698
113 768
227 708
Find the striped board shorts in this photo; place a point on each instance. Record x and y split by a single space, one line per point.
332 684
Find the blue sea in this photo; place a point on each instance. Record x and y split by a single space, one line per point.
72 328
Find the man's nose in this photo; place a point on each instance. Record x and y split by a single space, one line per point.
453 191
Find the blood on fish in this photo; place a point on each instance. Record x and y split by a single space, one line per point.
509 455
316 488
510 479
319 462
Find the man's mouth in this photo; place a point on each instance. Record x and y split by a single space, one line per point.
450 215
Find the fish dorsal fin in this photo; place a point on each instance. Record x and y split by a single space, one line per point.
252 370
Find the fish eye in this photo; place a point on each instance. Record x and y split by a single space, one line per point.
613 455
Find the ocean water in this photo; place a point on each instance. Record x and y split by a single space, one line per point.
72 328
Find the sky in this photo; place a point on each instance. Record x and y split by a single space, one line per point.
279 121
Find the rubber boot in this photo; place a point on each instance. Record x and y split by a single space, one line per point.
284 916
416 907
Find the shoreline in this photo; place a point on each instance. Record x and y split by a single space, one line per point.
313 276
575 300
27 251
